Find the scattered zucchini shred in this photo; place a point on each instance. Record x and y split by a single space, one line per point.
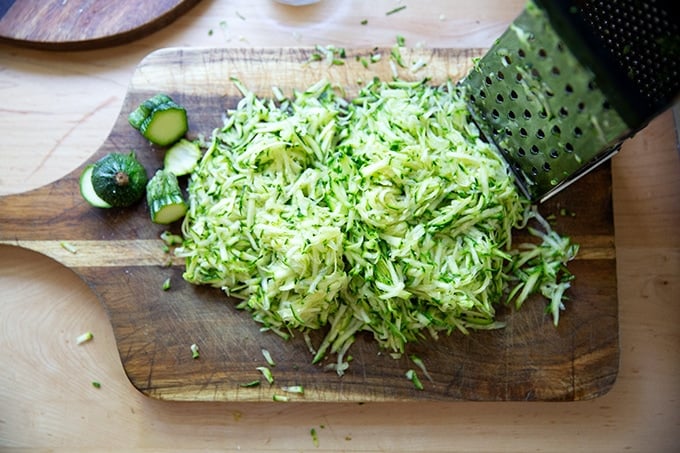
412 376
170 238
96 384
267 373
268 357
420 364
386 213
195 354
294 389
542 267
330 54
84 338
395 10
69 247
315 437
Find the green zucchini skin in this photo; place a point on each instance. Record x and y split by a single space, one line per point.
165 199
119 179
137 116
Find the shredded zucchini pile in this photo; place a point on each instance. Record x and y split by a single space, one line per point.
386 214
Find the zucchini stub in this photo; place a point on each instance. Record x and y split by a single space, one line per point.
165 199
160 120
117 179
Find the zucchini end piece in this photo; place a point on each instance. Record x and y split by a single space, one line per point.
165 125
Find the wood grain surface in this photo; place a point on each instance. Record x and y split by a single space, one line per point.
84 24
119 255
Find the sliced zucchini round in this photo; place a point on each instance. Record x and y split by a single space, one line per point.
87 190
182 157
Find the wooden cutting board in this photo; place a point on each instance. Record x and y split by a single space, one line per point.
120 256
84 24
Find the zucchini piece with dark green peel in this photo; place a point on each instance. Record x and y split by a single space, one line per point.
160 120
119 179
87 190
182 157
137 116
165 199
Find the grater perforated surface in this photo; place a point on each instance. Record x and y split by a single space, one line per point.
643 37
553 115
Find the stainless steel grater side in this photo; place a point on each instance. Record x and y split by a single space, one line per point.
569 81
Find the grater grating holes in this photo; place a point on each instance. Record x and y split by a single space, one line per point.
551 99
643 39
533 69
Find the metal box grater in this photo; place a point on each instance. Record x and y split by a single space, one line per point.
569 81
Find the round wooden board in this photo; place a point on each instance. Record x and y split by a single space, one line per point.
84 24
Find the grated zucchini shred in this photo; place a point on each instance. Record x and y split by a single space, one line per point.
385 214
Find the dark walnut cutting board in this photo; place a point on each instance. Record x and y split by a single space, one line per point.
120 256
84 24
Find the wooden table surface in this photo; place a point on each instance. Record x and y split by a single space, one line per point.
58 107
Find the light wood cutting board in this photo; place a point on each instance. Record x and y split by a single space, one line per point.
120 256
